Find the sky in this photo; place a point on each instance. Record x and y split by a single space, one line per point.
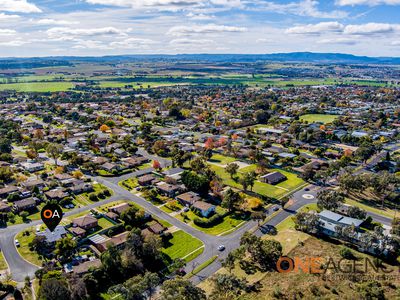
111 27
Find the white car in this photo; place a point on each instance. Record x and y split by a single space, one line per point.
16 243
221 248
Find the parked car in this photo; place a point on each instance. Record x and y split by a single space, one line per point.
17 243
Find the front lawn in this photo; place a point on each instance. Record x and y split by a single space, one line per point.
83 199
230 222
25 238
129 184
181 245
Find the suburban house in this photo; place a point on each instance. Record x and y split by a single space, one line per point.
188 199
86 222
273 178
169 190
32 167
86 266
77 231
329 220
119 208
4 207
24 205
205 209
6 191
56 194
102 242
146 180
52 237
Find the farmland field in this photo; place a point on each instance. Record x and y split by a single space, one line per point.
38 86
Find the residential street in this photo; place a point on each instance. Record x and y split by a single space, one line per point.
21 268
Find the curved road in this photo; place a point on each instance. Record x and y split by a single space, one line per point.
20 268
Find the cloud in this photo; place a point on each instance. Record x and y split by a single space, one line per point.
395 43
367 2
14 43
4 17
132 43
145 3
66 33
308 8
90 44
371 28
198 29
21 6
199 17
55 22
7 32
316 28
191 42
338 41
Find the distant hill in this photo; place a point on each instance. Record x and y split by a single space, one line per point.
299 57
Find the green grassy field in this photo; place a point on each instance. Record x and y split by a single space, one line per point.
3 264
37 86
222 159
229 223
25 238
181 245
273 191
318 118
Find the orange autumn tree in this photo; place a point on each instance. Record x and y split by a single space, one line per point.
156 165
209 144
104 128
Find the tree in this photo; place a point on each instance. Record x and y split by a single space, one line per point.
356 212
181 289
232 169
54 151
329 199
196 182
250 178
209 144
54 289
307 222
227 286
133 216
262 166
231 200
104 128
24 215
262 117
259 216
308 173
65 247
156 165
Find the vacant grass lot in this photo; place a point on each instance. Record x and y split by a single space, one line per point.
181 245
384 212
318 118
272 191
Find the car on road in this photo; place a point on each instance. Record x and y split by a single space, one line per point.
306 189
16 243
276 208
221 248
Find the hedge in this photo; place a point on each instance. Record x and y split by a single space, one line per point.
214 220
